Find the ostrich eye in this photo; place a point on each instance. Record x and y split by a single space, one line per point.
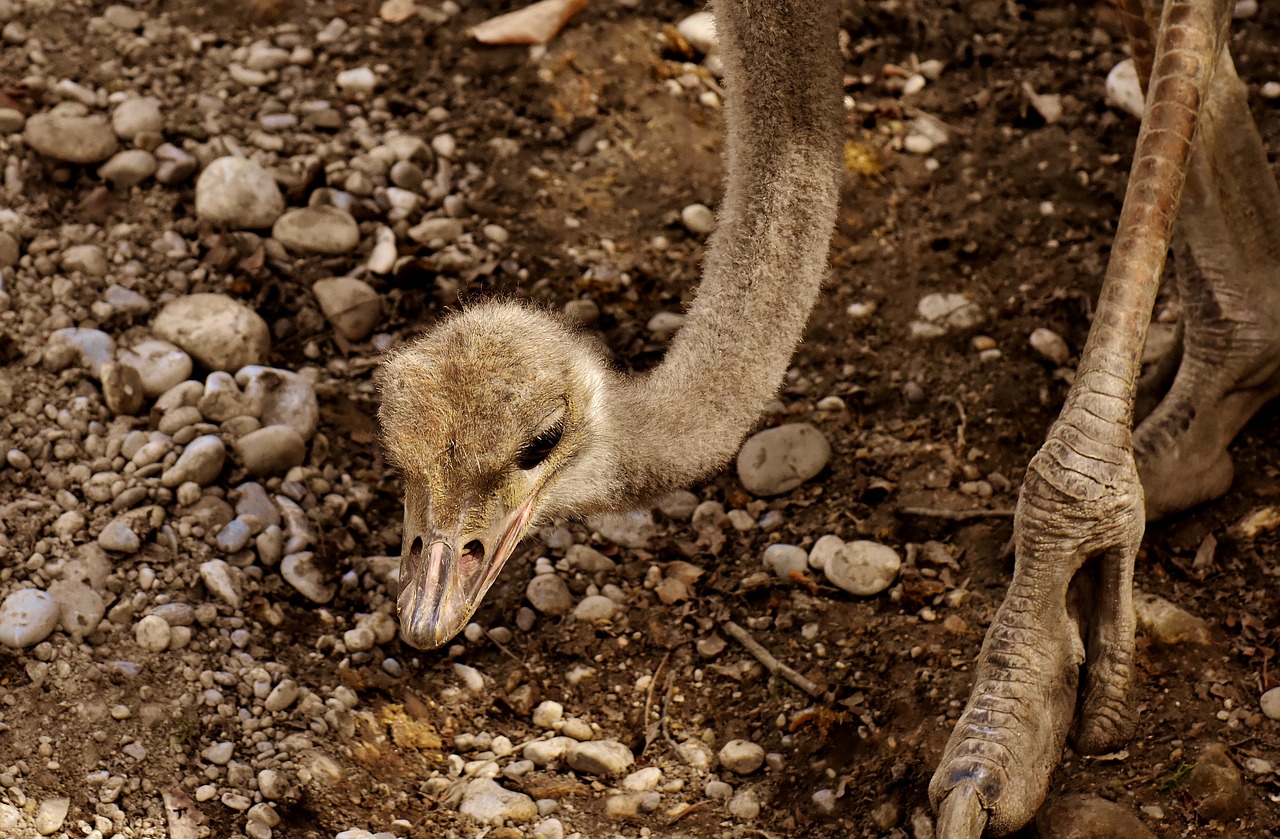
539 448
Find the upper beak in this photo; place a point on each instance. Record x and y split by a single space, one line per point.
444 577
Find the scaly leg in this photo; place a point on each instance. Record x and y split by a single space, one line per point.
1061 645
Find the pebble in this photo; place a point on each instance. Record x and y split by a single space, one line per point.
628 805
1215 786
627 530
679 505
786 560
122 389
220 753
322 229
698 219
222 581
549 829
300 572
237 193
175 164
218 331
741 757
282 696
944 312
745 805
200 463
80 608
351 305
488 802
436 232
128 168
271 450
119 537
1050 346
92 347
1168 624
862 568
11 121
699 29
1123 91
664 325
27 617
778 460
139 115
595 608
546 752
152 634
51 815
72 139
696 754
599 757
286 398
160 364
1084 816
1270 702
358 80
548 714
549 594
642 780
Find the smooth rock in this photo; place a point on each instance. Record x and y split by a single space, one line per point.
548 714
176 165
741 757
698 219
237 193
152 633
488 802
93 347
316 230
642 780
286 397
128 168
11 120
745 805
549 594
119 537
678 505
1123 91
595 608
633 529
137 116
780 459
1085 816
863 568
219 753
160 364
85 259
1270 703
282 696
271 450
222 399
1050 346
1168 624
546 752
1215 786
122 388
218 331
599 757
699 29
351 305
200 462
71 139
80 608
51 815
949 311
588 559
27 617
223 582
436 232
786 560
300 572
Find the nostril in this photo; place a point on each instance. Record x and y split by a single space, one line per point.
416 548
474 550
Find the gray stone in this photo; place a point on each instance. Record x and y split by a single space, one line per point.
1168 624
588 559
351 305
51 815
69 138
200 462
745 805
317 230
595 608
137 116
1215 786
642 780
628 530
223 582
223 400
698 219
80 608
786 560
85 259
1270 702
1085 816
220 753
160 364
237 193
176 165
300 572
780 459
488 802
699 29
152 633
271 450
119 536
1050 346
27 617
436 232
546 752
128 168
93 347
741 757
282 696
218 331
599 757
549 594
286 398
11 121
863 568
949 311
678 505
122 388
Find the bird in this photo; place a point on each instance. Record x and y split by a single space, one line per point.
501 416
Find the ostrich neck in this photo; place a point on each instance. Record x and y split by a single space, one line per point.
766 260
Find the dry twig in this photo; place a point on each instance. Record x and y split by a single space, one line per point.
955 515
770 663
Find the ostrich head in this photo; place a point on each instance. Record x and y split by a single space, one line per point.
495 419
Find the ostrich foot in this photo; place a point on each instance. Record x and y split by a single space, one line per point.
1058 658
1227 246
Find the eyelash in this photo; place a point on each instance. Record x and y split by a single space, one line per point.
539 448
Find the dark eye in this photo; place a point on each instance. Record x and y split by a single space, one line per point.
539 448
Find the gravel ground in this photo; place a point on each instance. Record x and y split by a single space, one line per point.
218 217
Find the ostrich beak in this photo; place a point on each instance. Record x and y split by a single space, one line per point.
444 577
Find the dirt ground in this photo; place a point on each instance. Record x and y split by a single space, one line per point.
1017 214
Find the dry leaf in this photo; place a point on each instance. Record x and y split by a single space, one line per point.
534 24
397 11
685 572
671 590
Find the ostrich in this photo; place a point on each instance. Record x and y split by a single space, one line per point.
502 416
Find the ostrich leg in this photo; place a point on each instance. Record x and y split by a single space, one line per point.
1061 645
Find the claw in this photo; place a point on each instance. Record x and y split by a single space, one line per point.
961 814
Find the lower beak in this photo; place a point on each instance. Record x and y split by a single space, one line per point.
443 578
